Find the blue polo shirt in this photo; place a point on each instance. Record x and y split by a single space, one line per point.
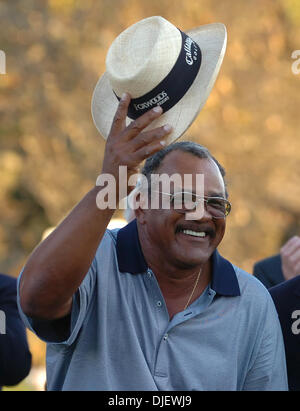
122 339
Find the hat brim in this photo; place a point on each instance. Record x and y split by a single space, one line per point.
212 40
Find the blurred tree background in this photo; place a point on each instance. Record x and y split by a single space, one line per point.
51 153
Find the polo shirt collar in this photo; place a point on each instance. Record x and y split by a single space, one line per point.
131 260
129 252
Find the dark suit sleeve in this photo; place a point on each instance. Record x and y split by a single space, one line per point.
269 271
15 357
261 275
286 297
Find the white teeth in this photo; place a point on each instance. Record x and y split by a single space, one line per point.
194 233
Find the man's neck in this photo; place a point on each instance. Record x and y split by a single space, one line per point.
180 291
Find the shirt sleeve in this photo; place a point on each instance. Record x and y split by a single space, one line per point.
268 368
15 357
64 330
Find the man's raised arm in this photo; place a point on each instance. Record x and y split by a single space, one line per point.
58 265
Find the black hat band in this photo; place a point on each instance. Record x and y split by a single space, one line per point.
175 85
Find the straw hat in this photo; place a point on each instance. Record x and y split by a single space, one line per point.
157 64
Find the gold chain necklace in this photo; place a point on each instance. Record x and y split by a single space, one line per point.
192 293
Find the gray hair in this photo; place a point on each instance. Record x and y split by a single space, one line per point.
152 163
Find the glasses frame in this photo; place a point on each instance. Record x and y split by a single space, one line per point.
205 199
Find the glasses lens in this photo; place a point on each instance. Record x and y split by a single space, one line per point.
186 201
218 207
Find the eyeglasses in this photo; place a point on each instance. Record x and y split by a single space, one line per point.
185 201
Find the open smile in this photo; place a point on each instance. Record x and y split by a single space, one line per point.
199 233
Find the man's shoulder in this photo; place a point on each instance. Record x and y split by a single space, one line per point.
109 239
250 286
255 299
106 252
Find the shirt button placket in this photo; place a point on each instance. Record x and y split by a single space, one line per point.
161 361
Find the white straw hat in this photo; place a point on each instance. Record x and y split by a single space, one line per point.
157 64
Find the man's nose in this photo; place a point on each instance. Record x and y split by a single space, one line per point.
201 212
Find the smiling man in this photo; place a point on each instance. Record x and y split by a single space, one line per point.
152 306
172 243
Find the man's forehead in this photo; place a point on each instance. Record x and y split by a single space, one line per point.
181 161
178 162
186 171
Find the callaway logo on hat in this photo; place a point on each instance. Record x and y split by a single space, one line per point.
157 64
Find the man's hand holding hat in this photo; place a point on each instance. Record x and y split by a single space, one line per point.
129 146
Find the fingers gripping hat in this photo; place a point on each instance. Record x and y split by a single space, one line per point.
157 64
